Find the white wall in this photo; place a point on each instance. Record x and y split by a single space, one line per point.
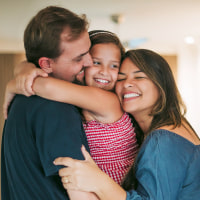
189 81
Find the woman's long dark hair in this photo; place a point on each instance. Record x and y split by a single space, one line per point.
169 109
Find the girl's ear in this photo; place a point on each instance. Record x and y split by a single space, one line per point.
45 64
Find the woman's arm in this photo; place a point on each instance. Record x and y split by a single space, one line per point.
77 195
154 181
86 176
103 104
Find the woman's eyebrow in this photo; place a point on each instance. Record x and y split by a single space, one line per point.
135 72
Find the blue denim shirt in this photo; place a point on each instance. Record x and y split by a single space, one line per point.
167 168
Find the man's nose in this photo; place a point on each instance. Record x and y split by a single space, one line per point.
88 60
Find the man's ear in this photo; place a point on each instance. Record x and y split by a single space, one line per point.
45 64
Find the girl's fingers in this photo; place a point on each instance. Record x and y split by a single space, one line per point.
40 72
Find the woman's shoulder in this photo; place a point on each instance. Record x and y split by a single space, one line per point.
169 147
168 138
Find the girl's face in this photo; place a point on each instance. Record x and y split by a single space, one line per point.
106 62
136 92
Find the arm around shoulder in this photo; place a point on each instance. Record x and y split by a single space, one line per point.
98 101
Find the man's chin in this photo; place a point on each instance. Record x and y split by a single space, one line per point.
80 79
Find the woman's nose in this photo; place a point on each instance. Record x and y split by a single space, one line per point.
128 83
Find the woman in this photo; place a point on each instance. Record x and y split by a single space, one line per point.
168 163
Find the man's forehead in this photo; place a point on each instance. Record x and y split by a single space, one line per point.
65 35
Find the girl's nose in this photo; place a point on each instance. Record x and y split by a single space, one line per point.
103 70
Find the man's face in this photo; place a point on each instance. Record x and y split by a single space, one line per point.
75 56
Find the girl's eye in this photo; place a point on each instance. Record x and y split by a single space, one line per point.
115 66
96 62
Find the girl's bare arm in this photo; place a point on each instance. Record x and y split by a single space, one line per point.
103 104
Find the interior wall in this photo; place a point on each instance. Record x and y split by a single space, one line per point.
7 63
172 61
189 81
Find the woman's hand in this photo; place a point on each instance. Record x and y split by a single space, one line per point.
86 176
79 174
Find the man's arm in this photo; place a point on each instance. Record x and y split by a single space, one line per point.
59 133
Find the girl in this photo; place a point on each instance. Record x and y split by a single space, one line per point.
168 163
105 123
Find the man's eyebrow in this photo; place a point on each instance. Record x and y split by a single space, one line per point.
81 55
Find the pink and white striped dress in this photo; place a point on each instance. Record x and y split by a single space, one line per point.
113 146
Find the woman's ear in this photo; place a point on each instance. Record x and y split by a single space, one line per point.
45 64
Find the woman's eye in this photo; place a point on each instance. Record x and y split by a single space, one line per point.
120 79
139 77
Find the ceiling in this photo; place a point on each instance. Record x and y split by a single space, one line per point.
160 25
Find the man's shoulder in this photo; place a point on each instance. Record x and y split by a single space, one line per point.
36 103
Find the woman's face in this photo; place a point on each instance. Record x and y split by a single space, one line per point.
136 92
106 62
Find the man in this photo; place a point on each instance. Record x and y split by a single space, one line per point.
38 130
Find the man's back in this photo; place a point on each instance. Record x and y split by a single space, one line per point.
36 132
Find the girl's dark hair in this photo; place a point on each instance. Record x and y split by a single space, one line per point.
103 37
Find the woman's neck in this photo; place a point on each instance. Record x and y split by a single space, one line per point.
144 122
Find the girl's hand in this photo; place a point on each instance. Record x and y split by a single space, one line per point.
7 100
80 175
25 79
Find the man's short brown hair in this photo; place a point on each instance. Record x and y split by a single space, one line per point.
42 34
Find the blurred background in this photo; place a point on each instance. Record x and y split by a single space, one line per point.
170 28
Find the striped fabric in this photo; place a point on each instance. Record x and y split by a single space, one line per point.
113 146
